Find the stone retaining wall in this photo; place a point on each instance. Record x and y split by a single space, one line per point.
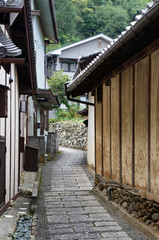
71 135
146 211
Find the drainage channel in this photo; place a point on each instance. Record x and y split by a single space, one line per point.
23 229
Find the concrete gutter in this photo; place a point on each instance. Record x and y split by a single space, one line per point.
141 227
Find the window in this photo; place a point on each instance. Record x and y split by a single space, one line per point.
65 67
68 65
73 67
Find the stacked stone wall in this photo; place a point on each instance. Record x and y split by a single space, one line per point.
145 210
71 135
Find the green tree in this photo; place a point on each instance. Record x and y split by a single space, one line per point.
133 7
79 19
111 20
56 84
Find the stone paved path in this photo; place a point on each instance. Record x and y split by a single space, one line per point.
73 212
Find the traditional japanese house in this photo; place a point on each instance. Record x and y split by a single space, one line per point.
21 65
125 80
44 31
17 76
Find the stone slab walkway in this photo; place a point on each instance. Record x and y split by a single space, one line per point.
72 210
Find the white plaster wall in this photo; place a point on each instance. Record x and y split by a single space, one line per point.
91 134
2 133
38 120
16 137
12 136
84 49
2 120
8 145
23 118
13 131
30 117
2 126
40 49
32 4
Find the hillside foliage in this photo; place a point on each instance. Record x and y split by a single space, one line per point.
80 19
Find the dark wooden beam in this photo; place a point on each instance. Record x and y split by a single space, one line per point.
25 88
18 33
10 10
12 60
4 18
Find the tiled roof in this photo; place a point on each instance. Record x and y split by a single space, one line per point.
47 99
7 47
145 17
10 3
59 50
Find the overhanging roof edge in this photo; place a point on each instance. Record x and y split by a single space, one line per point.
141 20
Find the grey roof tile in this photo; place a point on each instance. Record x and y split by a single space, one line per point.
105 51
10 3
7 47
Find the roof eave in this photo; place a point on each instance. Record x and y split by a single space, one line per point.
54 23
147 18
50 32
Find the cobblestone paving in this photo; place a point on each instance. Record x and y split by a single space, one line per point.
73 212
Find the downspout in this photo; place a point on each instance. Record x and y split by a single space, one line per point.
76 100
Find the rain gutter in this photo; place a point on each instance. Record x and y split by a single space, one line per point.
76 100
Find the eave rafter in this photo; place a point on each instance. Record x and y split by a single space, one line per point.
17 61
10 10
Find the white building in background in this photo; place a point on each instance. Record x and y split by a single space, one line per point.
73 59
67 57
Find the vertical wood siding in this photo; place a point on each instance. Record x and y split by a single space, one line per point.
126 131
106 132
115 150
127 126
141 123
154 143
98 141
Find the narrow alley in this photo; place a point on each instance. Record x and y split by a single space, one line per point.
67 207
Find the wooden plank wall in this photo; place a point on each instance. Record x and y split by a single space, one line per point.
154 133
127 126
141 123
98 140
106 132
115 150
